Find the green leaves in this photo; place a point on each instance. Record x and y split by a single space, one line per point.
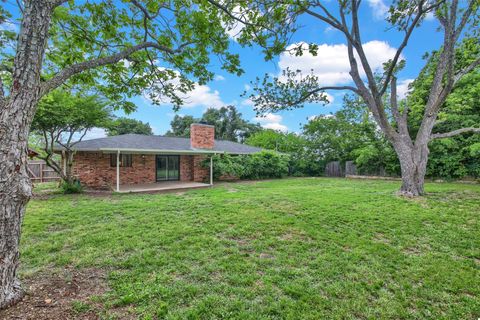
292 90
70 112
191 31
125 126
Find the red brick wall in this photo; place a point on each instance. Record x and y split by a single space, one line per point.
202 136
186 168
94 171
200 174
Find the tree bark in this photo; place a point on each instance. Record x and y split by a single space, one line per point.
16 114
413 164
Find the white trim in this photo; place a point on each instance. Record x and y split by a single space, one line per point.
118 170
64 156
211 171
157 151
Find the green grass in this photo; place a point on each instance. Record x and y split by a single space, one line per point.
308 248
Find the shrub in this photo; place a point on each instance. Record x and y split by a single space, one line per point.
262 165
225 165
71 187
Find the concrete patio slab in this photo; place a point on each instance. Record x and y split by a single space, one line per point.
162 186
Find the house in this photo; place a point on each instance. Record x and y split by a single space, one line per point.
134 162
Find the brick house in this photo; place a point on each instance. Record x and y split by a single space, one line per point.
134 159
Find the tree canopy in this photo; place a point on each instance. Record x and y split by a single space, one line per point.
62 120
271 25
228 123
124 125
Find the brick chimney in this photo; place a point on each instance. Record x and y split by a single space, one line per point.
202 136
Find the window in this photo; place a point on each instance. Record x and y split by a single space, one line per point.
125 160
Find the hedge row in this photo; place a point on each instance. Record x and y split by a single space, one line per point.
261 165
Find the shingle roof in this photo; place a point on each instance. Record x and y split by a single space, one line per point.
138 142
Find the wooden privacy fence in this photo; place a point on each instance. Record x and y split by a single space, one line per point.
334 169
38 171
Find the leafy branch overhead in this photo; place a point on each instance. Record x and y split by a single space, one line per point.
119 50
289 91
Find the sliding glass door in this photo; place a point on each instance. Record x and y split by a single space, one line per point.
168 167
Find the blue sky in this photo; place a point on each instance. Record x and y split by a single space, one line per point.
329 65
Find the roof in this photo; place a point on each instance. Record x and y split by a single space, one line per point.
158 144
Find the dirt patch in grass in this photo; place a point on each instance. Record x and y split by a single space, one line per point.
71 294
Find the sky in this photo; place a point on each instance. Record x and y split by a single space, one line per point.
331 66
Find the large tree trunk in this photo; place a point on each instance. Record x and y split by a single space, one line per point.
15 191
16 114
413 163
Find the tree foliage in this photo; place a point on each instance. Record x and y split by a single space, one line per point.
124 125
272 24
451 157
261 165
62 120
228 123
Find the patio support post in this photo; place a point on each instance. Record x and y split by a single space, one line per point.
211 170
64 156
118 170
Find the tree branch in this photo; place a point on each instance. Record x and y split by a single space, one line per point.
2 92
459 75
72 70
402 46
312 92
454 133
5 68
229 13
464 20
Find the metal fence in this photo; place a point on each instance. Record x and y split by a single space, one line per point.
38 171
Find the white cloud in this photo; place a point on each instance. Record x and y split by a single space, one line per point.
329 29
9 26
402 88
271 121
331 63
219 78
95 133
329 97
201 95
269 117
234 28
430 16
247 87
321 116
379 9
276 127
247 102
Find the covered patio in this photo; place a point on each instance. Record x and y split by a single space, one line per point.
161 186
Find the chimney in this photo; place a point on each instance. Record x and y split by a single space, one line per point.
202 136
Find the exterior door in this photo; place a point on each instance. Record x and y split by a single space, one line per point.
167 167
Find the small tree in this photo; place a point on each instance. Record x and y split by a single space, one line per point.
126 125
62 120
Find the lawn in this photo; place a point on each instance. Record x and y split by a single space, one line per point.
307 248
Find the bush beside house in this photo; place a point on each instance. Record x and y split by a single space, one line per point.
261 165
